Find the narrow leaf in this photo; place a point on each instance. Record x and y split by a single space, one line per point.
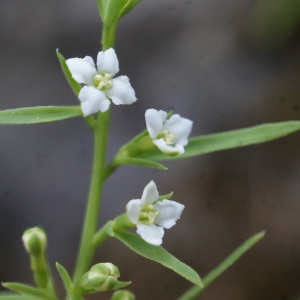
17 297
194 291
130 5
158 254
141 162
65 277
38 114
76 87
113 10
102 7
230 139
24 289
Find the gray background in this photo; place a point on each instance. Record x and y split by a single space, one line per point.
225 65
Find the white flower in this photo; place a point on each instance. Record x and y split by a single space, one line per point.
99 85
151 215
171 135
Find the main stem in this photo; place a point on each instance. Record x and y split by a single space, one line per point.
100 132
85 255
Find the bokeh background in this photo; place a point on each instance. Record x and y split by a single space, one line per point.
225 65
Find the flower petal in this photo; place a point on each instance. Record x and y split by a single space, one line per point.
152 234
82 70
154 121
168 149
92 100
121 91
107 61
168 213
150 193
133 209
90 60
180 127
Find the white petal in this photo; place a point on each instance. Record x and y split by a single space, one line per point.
121 91
133 209
154 121
152 234
168 149
180 127
82 70
107 61
90 60
150 193
168 213
92 100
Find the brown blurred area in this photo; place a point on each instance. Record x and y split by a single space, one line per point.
225 65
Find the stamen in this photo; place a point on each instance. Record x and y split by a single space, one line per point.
148 214
167 136
103 81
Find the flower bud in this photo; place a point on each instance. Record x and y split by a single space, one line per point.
35 241
101 277
122 295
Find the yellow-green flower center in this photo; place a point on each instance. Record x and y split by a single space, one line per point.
148 214
167 136
102 81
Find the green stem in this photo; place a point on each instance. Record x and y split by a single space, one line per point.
108 36
86 252
100 131
121 222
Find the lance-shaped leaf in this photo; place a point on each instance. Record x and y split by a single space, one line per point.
16 297
112 10
38 114
76 87
223 266
229 139
65 277
141 162
159 255
25 290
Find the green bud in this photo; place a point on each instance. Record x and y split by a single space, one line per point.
35 241
122 295
101 277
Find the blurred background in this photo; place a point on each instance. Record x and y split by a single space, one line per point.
224 64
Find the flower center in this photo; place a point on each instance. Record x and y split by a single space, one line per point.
102 81
167 136
147 214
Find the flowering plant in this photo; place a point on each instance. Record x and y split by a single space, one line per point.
165 138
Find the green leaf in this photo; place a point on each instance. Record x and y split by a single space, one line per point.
194 291
158 254
25 290
130 5
38 114
133 161
18 297
112 10
76 87
102 7
230 139
65 277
